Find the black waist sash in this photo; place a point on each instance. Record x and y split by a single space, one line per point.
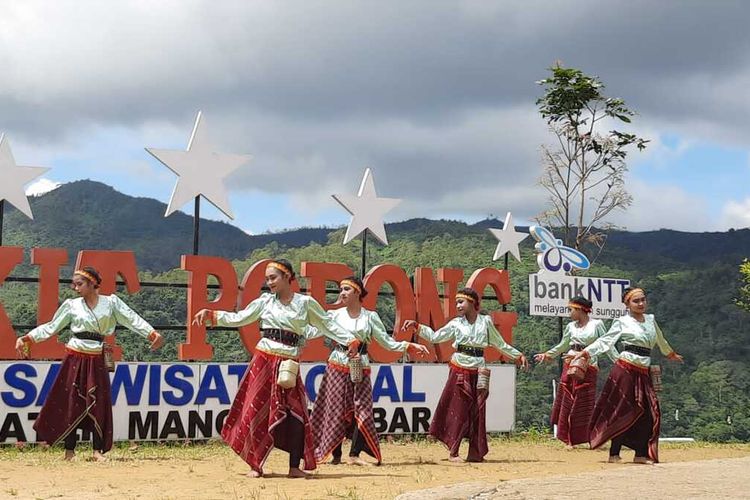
477 352
89 336
362 348
578 347
285 337
636 349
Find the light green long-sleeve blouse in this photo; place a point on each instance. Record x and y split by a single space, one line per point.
479 334
302 311
585 336
632 332
109 311
366 327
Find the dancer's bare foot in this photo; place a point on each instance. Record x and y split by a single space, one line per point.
295 472
254 474
358 461
99 457
569 447
456 460
614 459
643 460
69 454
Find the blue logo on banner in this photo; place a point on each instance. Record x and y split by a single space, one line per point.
553 255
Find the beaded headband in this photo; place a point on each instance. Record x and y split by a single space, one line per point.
632 292
466 297
86 275
352 284
573 305
280 267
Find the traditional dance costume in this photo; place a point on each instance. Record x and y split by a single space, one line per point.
342 406
575 399
263 414
627 411
461 411
80 395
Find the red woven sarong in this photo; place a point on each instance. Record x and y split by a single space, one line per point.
79 398
461 413
260 412
574 406
621 410
339 400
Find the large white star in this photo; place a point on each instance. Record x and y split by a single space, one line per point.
367 210
508 239
201 170
13 178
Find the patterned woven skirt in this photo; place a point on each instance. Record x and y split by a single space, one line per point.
262 413
80 398
628 408
339 402
461 413
574 406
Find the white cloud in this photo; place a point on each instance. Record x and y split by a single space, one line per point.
41 186
735 214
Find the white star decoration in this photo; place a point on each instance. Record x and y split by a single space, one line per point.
13 178
508 239
367 210
201 170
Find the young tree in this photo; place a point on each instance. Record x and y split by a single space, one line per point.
584 172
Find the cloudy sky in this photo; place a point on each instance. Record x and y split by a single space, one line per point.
438 97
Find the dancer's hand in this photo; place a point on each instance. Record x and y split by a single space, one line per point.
542 357
21 348
522 362
157 340
353 351
201 316
415 350
410 326
673 356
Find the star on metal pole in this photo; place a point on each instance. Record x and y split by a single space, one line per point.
367 210
201 170
14 177
508 239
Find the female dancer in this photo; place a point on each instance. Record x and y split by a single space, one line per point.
575 399
263 414
80 395
627 411
342 404
461 411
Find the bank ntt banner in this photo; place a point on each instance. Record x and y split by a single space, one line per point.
174 401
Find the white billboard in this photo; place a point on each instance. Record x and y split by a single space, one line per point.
177 401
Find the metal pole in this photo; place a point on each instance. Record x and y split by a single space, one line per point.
2 209
505 307
196 224
363 269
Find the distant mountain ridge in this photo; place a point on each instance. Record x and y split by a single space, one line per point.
91 215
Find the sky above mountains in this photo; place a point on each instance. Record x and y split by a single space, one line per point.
437 97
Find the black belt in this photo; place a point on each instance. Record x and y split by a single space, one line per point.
285 337
89 336
477 352
578 347
362 348
636 349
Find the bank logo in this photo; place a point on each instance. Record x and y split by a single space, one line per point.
553 255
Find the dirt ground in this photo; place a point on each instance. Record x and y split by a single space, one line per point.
515 468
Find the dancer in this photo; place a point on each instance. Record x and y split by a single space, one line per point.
264 415
342 406
575 399
461 411
80 395
627 411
